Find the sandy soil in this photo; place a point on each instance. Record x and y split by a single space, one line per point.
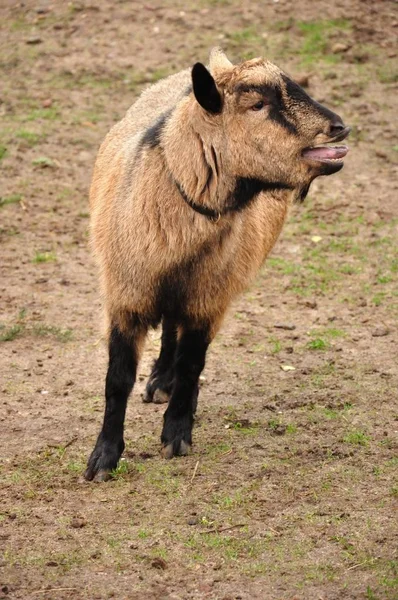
290 491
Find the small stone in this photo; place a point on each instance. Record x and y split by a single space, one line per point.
34 39
205 588
84 156
192 521
380 331
287 326
340 47
78 523
311 303
159 563
381 154
279 429
47 103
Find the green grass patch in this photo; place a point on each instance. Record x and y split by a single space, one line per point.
44 257
318 344
62 335
13 199
276 345
3 151
357 438
387 73
7 334
121 470
282 266
316 39
321 341
30 137
38 114
247 41
44 162
377 299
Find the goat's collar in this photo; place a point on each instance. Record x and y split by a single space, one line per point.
246 189
213 215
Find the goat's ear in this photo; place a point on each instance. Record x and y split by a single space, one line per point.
205 89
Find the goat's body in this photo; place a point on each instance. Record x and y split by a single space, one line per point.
157 256
189 194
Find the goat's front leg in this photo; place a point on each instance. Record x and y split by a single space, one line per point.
178 418
123 358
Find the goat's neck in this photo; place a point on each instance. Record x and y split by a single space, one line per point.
195 162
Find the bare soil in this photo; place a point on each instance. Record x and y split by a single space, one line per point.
290 491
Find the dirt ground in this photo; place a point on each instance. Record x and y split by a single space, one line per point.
290 491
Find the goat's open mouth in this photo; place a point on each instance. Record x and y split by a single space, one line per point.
328 154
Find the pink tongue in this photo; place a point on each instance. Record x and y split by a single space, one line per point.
326 153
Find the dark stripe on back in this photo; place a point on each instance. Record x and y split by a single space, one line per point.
153 134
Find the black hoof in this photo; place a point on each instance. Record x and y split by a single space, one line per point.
158 388
103 461
176 436
176 448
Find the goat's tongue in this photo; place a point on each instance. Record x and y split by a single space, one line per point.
326 152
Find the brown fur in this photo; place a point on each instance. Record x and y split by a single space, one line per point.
189 194
141 226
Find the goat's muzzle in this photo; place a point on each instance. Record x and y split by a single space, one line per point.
329 158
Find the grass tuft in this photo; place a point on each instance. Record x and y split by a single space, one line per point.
10 333
317 344
44 257
357 438
13 199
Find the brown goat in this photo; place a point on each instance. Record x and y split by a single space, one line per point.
189 194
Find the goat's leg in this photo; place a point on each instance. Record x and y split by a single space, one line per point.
123 358
178 418
161 378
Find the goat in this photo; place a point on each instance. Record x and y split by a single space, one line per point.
189 194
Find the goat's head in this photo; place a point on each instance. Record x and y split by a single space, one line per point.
266 126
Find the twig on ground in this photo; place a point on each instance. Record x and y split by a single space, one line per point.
220 529
225 453
365 562
194 472
60 589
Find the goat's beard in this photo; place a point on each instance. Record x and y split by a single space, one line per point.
301 193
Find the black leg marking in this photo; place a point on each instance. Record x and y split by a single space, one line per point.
178 418
120 379
161 378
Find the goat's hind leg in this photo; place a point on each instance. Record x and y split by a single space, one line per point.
160 381
178 418
124 350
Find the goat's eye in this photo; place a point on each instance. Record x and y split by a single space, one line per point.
259 105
